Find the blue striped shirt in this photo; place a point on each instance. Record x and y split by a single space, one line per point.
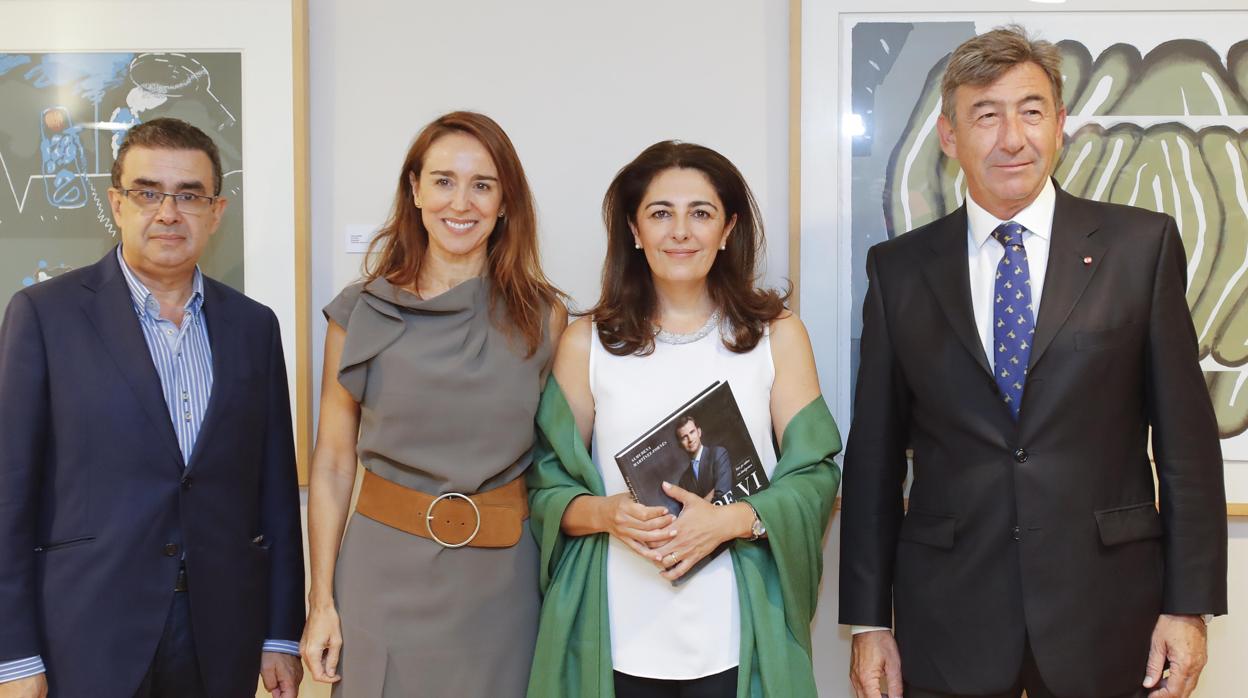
20 669
182 355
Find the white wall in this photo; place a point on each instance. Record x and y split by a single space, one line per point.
581 87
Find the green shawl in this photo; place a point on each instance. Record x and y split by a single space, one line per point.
777 579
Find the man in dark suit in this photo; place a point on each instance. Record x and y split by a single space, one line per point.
149 507
1023 347
709 472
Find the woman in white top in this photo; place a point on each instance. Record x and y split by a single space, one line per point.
679 310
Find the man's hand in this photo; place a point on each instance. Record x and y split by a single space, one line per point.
875 655
1182 641
281 674
30 687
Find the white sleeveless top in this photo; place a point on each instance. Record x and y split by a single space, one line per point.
659 630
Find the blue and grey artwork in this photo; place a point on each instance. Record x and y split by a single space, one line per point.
64 169
1163 127
64 118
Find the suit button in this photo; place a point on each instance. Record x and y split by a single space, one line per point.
171 549
1020 455
1017 533
186 482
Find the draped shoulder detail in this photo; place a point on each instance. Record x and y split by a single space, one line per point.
372 314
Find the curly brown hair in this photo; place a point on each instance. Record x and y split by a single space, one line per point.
626 311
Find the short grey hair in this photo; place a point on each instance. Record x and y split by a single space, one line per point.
982 59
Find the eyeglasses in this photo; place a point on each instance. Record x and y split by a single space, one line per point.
185 202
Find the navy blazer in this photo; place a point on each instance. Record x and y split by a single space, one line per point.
1044 530
96 508
714 473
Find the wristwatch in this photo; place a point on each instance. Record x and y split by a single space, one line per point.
757 529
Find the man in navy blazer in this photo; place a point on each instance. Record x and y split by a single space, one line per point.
1022 348
149 507
709 471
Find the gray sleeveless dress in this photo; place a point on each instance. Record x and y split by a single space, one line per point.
446 405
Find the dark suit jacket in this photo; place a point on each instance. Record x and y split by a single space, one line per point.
1046 528
96 508
714 472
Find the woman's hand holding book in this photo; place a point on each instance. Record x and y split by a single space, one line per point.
699 530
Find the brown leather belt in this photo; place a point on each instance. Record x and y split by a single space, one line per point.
493 519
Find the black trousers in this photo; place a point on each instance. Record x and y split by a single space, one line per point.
1028 680
174 672
721 685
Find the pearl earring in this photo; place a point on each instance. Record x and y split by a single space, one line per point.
723 246
636 245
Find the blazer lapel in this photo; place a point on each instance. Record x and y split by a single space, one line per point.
227 353
111 311
948 274
1074 255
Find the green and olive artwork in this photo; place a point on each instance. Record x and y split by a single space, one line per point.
1155 121
65 115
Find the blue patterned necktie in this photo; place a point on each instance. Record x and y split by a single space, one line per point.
1013 322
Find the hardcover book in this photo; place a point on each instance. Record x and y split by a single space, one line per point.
704 447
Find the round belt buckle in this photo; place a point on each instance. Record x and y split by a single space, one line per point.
429 520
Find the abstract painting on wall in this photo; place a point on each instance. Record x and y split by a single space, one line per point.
1157 118
65 115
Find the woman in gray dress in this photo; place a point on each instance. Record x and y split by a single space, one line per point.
433 368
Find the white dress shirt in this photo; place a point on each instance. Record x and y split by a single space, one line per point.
984 253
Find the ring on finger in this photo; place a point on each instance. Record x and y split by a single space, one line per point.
674 556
